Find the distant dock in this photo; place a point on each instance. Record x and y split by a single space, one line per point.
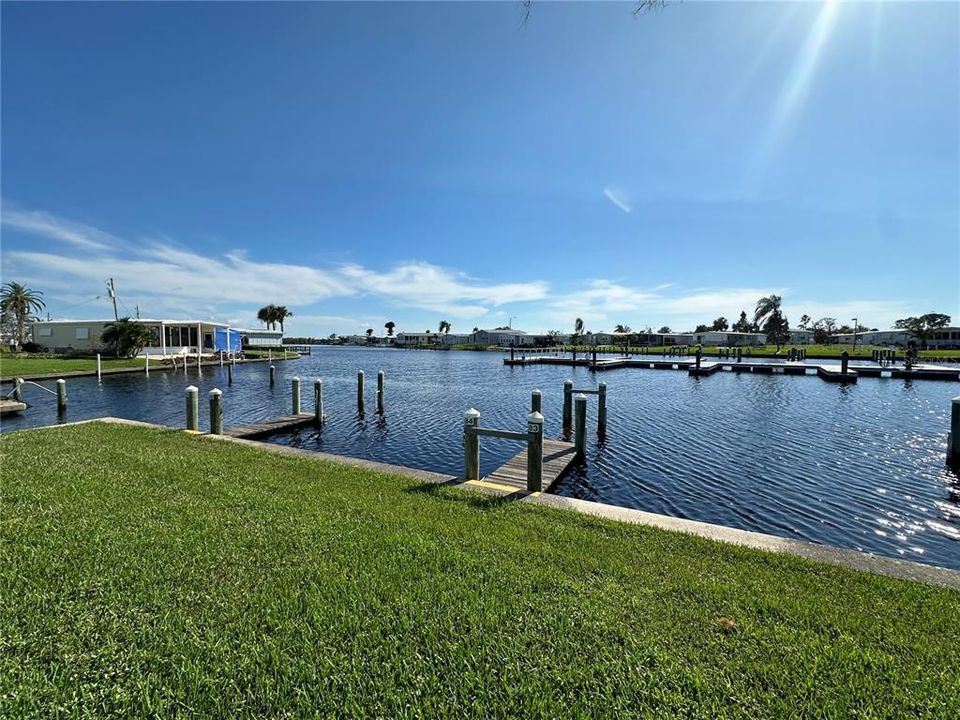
826 371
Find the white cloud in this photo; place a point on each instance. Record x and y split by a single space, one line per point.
420 284
617 198
175 280
46 225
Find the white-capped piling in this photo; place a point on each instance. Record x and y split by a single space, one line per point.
360 380
953 439
580 433
567 405
61 396
471 446
380 381
602 409
17 393
534 452
193 408
295 395
146 364
216 412
844 362
98 366
536 401
229 374
318 401
273 375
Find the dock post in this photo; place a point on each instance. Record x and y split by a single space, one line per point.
269 355
580 433
535 452
471 446
98 366
61 396
193 408
273 375
229 374
844 362
318 401
511 352
594 354
602 409
17 393
739 354
953 440
216 412
146 364
567 405
699 357
380 381
536 401
295 392
360 378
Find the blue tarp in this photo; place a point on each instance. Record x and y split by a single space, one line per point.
220 343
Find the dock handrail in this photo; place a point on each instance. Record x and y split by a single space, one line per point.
472 432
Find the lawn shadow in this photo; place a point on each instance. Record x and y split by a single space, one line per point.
483 500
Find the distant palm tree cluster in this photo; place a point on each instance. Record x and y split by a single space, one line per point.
273 315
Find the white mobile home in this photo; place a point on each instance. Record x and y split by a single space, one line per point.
171 337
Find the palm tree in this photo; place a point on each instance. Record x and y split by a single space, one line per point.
390 325
268 315
18 303
281 314
126 337
444 327
622 329
768 314
804 322
369 333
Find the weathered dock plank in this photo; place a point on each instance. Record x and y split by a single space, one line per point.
269 427
11 406
557 458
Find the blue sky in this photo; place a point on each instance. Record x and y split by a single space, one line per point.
360 163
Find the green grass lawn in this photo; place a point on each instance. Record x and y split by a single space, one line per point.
149 572
26 365
278 354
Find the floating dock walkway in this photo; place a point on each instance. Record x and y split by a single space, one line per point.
828 371
512 475
269 427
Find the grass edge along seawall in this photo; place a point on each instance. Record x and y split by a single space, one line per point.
147 570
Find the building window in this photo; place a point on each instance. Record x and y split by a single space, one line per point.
44 332
83 333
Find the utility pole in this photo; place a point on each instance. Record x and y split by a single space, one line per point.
113 296
138 312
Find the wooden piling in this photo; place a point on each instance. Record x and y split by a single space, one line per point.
61 396
17 393
216 412
98 366
146 364
318 401
471 446
580 433
295 393
535 452
602 409
844 362
273 375
536 401
567 405
380 383
229 374
360 382
953 439
193 408
699 357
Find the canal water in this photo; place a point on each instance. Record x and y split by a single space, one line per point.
856 466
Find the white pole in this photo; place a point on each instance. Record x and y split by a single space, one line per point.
146 364
199 344
98 366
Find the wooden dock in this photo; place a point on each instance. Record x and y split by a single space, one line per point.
8 406
826 371
557 458
269 427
